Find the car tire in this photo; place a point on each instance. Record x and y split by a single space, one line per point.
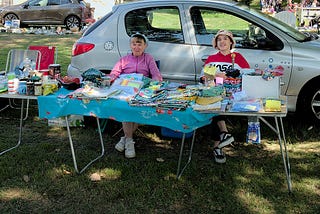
309 102
10 16
72 21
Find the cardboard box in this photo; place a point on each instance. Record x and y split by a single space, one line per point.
257 87
74 121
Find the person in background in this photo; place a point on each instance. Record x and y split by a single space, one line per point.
136 62
315 3
223 60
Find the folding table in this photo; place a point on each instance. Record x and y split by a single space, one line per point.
277 128
22 98
58 105
184 121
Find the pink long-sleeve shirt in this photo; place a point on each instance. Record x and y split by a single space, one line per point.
144 64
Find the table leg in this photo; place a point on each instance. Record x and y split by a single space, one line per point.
5 107
20 130
285 154
180 172
11 105
27 110
72 148
283 147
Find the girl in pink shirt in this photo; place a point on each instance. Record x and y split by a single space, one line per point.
136 62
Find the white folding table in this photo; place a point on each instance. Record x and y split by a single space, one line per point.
53 106
277 128
23 98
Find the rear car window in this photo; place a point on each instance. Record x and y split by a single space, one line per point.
157 23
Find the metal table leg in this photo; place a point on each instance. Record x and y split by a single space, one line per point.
180 172
11 105
5 107
72 148
20 130
283 147
27 110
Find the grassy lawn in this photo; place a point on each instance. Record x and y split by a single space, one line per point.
39 177
23 41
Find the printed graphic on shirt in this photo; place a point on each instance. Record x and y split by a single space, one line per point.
223 66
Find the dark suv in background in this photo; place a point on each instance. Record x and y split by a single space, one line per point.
46 12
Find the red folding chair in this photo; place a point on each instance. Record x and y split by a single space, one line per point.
48 55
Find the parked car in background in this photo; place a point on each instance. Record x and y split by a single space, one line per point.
180 34
46 12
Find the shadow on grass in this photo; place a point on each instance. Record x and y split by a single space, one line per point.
39 175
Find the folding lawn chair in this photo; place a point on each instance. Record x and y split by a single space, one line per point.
15 61
49 55
16 57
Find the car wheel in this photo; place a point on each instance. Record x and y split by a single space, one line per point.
309 103
72 21
10 16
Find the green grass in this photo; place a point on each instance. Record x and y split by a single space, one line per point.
23 41
39 177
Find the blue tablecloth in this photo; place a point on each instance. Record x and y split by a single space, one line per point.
52 106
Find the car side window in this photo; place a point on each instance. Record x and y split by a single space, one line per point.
157 23
207 22
38 3
54 2
65 2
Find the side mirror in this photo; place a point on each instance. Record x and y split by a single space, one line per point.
25 6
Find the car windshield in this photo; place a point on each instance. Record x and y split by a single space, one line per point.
294 33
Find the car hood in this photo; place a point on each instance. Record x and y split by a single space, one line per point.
309 48
313 43
13 6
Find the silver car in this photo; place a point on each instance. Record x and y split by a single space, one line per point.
180 35
45 12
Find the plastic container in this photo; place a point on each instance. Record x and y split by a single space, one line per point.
22 89
38 88
30 88
13 86
166 132
54 71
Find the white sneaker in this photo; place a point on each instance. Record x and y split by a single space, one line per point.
225 139
129 148
121 144
219 155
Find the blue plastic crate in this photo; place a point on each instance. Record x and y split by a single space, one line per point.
174 134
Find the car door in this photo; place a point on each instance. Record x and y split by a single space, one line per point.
55 11
164 28
261 46
33 11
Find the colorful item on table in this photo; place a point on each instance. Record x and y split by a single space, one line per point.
49 88
3 83
210 69
273 105
253 105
